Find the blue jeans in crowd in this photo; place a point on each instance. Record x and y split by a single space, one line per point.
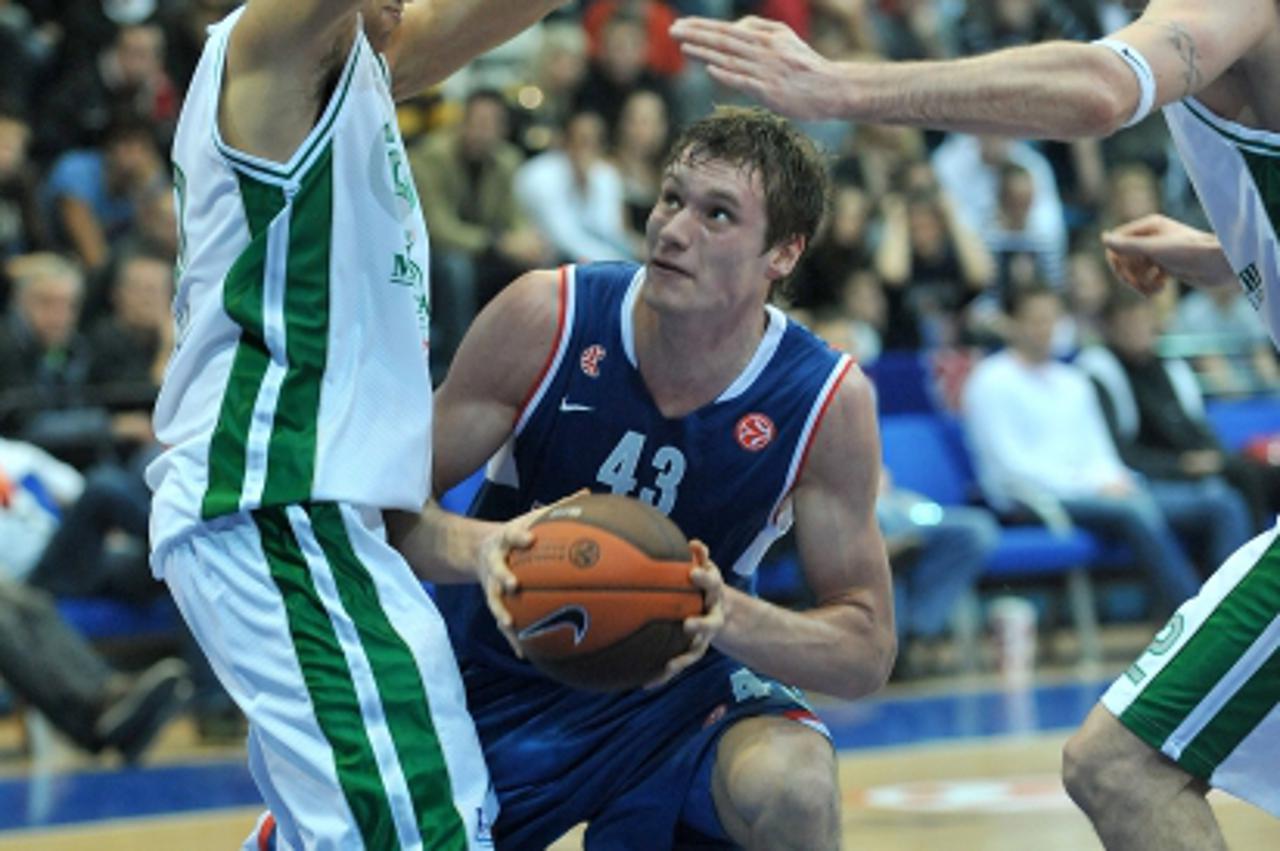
1136 521
954 544
1208 511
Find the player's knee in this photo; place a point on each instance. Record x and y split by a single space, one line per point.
808 802
1077 771
789 782
1094 771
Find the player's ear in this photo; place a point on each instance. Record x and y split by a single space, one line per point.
784 256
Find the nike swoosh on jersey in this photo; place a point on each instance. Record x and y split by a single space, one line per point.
574 617
573 408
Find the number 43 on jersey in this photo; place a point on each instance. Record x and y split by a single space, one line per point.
662 475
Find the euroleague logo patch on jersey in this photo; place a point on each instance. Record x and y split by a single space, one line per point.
590 359
754 432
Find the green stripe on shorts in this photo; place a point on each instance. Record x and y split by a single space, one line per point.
400 686
1226 634
1237 718
328 681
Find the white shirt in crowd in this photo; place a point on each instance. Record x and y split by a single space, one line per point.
1037 427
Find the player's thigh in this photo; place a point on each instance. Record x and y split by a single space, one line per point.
764 758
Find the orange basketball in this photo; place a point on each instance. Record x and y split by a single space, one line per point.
604 592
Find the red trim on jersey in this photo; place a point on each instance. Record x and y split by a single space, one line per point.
817 425
266 833
801 715
555 344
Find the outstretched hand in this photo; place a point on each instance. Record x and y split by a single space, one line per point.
701 628
1149 252
764 59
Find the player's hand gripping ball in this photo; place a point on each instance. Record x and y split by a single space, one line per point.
603 594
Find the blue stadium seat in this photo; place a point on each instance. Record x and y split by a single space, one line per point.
927 453
902 383
101 618
1238 421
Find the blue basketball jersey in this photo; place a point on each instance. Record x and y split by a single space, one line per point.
723 473
636 764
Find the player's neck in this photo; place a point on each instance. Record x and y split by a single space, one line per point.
687 361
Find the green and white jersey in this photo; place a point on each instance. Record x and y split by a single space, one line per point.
300 372
1236 173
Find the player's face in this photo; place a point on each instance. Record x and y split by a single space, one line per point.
381 18
705 239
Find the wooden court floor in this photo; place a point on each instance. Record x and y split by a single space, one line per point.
994 796
956 767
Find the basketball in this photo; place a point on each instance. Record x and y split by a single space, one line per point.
604 592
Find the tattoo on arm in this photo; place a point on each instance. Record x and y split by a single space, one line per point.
1186 47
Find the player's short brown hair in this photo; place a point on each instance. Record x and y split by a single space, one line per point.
793 171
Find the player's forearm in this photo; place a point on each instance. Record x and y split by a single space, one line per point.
844 649
1059 90
440 36
439 546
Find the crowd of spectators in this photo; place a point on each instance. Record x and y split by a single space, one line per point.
549 150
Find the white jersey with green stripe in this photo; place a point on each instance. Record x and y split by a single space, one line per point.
300 372
1236 173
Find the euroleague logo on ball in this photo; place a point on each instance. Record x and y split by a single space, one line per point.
590 359
584 553
754 432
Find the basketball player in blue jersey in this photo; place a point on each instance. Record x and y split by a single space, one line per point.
1200 707
297 407
676 383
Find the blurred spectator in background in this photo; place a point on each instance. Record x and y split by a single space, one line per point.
1040 442
480 237
44 661
35 489
933 266
882 159
840 28
575 196
546 101
132 345
153 232
1007 23
99 547
1078 167
1023 252
911 29
859 323
639 145
91 196
662 55
1226 342
1133 192
128 78
1013 213
21 230
1156 416
27 50
937 555
842 246
185 23
155 224
618 70
45 361
1088 289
